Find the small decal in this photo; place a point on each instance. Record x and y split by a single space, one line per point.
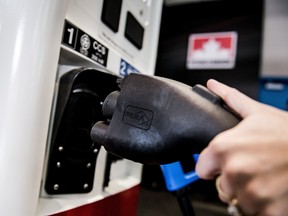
83 43
212 50
138 117
126 68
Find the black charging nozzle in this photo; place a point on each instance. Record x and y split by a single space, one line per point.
155 120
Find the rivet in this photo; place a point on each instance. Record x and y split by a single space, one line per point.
58 164
56 187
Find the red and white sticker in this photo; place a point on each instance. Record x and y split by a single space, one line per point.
212 50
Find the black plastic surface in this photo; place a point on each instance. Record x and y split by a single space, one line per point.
157 120
73 154
110 159
111 12
134 31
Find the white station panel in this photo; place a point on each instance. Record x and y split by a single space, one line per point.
41 42
93 40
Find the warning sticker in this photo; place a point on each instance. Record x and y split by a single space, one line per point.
212 51
83 43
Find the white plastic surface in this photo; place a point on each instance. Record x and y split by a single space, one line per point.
85 15
30 35
30 42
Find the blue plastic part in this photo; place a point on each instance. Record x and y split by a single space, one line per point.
174 176
274 91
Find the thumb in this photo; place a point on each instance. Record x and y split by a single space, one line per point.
237 101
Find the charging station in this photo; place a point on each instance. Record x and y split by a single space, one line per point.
59 59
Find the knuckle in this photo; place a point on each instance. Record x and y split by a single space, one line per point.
237 170
232 169
217 145
257 192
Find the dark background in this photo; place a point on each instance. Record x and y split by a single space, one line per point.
178 22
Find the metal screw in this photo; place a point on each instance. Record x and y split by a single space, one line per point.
88 165
56 187
85 186
58 164
95 150
60 148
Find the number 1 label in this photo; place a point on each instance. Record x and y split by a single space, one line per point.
70 35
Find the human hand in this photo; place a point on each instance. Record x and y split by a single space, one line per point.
252 157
